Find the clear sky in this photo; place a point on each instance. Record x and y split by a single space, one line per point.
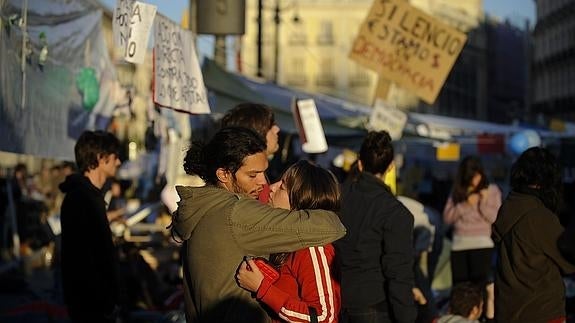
512 9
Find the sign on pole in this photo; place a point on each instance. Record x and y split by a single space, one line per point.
407 46
178 81
131 28
309 126
390 119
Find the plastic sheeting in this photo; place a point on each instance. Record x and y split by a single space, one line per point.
53 114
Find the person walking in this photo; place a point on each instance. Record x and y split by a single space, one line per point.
376 255
528 280
89 259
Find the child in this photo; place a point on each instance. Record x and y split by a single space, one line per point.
466 304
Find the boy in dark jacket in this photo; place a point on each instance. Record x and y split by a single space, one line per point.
89 260
376 255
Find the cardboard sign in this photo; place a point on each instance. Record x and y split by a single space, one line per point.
309 126
407 46
131 28
178 81
388 118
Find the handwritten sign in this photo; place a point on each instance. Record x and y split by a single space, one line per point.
390 119
178 81
131 28
407 46
309 126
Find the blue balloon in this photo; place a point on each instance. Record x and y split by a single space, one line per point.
524 140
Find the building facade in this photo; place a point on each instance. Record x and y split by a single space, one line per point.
315 37
554 59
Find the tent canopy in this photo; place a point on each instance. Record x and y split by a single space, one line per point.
228 89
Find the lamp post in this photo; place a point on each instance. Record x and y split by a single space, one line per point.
277 21
259 40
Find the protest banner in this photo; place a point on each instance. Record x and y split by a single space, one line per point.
131 28
407 46
178 81
311 134
388 118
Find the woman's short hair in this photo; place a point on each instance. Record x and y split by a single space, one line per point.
311 186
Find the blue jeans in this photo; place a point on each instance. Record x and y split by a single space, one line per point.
369 314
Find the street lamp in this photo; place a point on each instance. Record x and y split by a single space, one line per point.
277 20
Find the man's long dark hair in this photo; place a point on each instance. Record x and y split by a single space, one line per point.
227 150
537 172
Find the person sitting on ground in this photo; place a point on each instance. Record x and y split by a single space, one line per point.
466 304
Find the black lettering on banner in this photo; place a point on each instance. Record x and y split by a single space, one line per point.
125 37
131 49
136 13
182 90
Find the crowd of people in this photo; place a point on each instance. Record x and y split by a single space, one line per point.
307 248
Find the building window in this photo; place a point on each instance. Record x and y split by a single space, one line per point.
359 78
296 75
326 77
325 36
298 36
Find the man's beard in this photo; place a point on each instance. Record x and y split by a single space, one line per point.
237 189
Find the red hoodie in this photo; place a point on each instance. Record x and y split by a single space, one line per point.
308 271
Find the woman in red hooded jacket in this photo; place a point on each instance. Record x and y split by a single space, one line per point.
306 291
